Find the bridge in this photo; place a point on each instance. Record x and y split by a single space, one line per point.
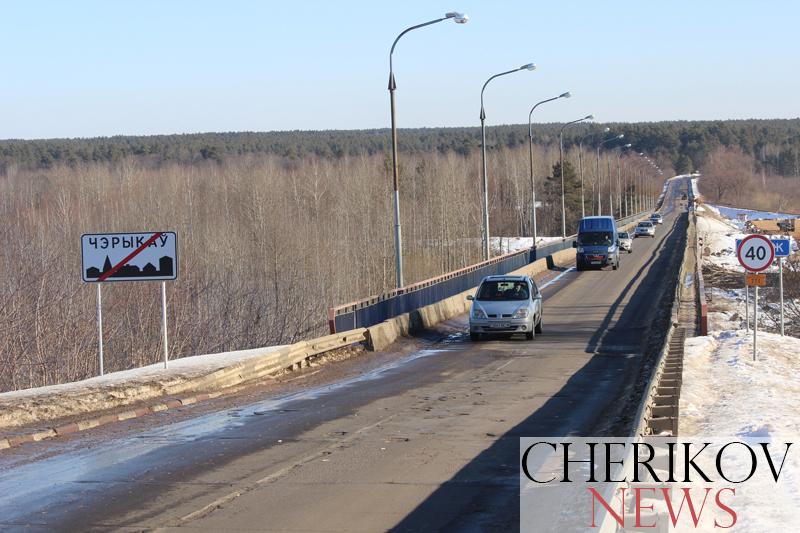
421 436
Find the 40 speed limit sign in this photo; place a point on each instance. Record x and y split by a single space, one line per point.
756 253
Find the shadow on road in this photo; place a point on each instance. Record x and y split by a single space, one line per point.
484 494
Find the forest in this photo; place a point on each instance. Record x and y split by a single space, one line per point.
273 228
774 143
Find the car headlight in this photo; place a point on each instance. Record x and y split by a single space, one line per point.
580 249
522 312
478 313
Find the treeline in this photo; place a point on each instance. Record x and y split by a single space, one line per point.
731 177
774 144
266 244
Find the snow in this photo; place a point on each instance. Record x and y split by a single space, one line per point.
719 371
695 190
506 245
183 367
734 212
728 396
718 238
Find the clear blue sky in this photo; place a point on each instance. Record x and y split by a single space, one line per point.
79 69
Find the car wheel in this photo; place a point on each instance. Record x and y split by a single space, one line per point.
530 335
538 328
474 337
579 267
630 250
615 265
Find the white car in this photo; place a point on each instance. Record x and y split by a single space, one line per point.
506 304
656 218
625 241
645 229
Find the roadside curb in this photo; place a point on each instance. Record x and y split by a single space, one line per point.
91 423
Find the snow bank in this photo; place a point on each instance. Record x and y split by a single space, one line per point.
114 389
184 367
726 393
727 396
718 238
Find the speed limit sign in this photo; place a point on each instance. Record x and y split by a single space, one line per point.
756 253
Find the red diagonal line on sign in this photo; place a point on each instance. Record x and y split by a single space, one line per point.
133 254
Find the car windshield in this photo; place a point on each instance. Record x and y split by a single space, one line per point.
595 238
498 290
645 225
624 235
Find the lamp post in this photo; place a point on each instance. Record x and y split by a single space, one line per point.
635 203
597 169
580 167
530 152
459 18
529 66
561 171
619 177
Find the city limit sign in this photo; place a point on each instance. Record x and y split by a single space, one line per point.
146 256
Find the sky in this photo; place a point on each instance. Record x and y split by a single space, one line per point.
98 68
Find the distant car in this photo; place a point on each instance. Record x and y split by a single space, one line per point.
625 241
506 304
656 218
645 229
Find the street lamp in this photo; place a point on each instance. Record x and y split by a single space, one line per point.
619 179
530 151
529 66
580 167
459 18
561 171
597 169
637 196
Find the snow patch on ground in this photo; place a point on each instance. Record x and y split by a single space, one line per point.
507 245
728 396
718 238
734 212
726 393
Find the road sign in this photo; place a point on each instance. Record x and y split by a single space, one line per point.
783 247
755 253
146 256
756 280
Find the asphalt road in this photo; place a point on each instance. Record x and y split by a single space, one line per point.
428 440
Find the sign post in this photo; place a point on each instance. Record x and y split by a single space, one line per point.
145 256
746 305
100 325
164 321
755 253
782 249
780 276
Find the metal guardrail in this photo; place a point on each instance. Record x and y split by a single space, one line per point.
652 406
375 309
701 286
